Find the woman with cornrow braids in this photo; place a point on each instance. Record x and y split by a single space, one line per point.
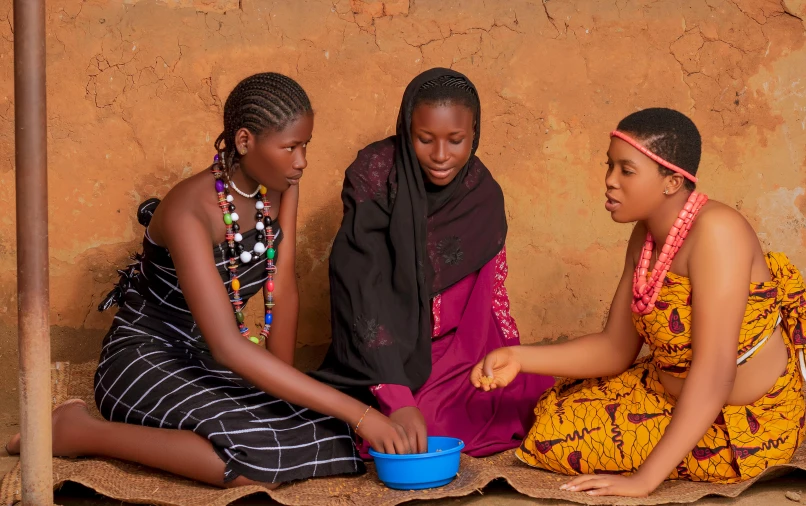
184 384
417 276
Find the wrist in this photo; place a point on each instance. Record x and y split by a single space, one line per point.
515 353
360 422
354 410
404 407
649 479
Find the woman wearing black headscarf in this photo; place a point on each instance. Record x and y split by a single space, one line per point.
417 276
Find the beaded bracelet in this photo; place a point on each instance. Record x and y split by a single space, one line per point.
362 419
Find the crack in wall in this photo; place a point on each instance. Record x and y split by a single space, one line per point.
790 13
551 18
535 96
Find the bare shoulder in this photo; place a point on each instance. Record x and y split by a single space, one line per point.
191 199
721 221
719 228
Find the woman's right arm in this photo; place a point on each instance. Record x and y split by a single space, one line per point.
604 353
187 236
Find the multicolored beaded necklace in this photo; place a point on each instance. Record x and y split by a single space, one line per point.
237 252
645 291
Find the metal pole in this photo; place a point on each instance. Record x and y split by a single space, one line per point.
32 251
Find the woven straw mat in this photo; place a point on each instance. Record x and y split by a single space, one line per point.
138 484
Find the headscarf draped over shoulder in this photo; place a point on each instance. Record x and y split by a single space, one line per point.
400 243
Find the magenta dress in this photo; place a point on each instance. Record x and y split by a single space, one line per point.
469 320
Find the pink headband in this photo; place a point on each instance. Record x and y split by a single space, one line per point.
660 161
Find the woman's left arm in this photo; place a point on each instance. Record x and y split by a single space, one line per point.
283 341
719 269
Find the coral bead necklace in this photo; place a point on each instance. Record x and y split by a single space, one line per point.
645 290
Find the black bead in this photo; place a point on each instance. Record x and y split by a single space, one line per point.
232 208
236 227
231 252
267 221
260 237
259 216
239 248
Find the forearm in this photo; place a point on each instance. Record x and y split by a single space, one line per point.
282 342
589 356
704 393
279 379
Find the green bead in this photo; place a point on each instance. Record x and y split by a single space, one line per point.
254 339
270 253
239 316
228 218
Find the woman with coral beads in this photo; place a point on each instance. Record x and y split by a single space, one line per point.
417 276
720 397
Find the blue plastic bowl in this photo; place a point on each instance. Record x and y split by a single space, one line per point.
419 471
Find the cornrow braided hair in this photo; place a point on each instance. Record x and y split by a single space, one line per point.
265 101
447 90
669 134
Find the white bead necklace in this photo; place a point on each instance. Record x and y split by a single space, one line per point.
242 193
259 248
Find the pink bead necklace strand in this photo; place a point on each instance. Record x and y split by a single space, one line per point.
645 291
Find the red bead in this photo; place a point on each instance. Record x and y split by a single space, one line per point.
270 286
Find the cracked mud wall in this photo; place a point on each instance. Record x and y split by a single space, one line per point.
135 92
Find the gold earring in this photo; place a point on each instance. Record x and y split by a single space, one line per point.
242 151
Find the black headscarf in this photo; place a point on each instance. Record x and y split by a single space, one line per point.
401 242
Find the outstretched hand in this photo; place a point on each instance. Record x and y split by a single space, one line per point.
498 369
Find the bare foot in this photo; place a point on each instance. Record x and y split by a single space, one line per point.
68 418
